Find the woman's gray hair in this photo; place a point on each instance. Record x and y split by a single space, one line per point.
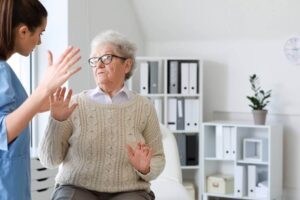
123 46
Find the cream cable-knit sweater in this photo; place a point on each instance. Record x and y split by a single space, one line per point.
91 145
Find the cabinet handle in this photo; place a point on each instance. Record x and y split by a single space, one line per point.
42 190
41 179
215 185
41 169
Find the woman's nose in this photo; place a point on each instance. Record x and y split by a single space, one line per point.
100 64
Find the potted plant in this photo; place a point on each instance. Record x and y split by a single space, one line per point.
259 100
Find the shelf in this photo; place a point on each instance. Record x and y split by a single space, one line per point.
217 159
190 167
251 154
252 162
186 132
183 95
175 87
154 95
231 196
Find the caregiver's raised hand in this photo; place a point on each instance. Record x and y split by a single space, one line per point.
57 73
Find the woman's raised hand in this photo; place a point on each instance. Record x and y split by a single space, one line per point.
59 105
140 157
59 72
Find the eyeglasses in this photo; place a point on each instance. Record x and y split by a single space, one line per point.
105 59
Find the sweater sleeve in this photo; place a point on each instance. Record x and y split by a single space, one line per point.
153 138
54 143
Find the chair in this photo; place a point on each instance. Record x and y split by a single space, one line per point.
168 185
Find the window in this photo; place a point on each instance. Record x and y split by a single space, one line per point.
22 67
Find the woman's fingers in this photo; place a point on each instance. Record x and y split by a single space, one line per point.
150 153
50 58
71 73
62 93
69 96
73 107
57 93
64 54
130 151
51 99
70 59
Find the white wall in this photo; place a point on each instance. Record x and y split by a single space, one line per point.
89 18
227 66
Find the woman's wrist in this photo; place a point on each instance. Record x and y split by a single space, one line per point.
146 171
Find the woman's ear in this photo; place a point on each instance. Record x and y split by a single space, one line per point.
22 30
128 65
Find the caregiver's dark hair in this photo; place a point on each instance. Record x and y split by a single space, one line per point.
13 13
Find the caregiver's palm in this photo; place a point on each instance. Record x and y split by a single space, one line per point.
57 73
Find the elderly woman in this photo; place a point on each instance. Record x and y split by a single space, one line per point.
108 142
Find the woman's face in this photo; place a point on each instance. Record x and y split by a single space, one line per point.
112 74
26 40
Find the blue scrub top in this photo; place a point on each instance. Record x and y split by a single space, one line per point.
14 157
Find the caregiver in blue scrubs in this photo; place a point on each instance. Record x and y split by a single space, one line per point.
22 23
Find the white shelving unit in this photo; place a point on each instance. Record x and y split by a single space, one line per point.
250 154
189 103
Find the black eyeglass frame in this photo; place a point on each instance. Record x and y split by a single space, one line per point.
100 59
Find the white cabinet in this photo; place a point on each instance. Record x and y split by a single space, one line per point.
250 155
174 85
42 180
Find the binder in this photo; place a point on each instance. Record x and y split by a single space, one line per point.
240 181
172 114
219 142
180 114
184 68
188 109
233 142
173 77
158 107
193 78
144 74
181 143
194 109
227 152
191 150
160 78
252 179
153 83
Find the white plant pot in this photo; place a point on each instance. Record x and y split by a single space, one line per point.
259 116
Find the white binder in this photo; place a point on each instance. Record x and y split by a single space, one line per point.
188 116
219 142
184 68
172 114
193 76
233 142
144 73
195 115
240 181
252 176
227 153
